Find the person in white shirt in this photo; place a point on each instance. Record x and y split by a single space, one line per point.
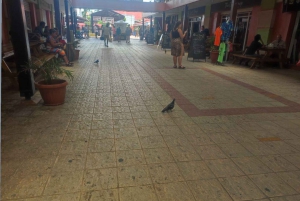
278 43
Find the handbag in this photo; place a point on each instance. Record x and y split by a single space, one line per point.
101 38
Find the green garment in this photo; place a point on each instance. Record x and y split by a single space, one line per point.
222 49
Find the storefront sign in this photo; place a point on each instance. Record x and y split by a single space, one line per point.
108 19
226 5
197 11
291 5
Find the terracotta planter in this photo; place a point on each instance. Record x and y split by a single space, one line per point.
214 56
54 93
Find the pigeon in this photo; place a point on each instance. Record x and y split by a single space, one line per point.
169 107
96 62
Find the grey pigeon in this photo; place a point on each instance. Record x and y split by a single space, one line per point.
169 107
97 61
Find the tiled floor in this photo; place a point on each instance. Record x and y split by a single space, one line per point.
234 133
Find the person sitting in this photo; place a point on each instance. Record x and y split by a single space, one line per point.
55 47
253 48
46 31
278 43
39 29
59 39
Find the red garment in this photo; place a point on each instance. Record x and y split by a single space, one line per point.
63 42
218 34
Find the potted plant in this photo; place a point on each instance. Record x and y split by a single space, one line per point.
51 86
214 51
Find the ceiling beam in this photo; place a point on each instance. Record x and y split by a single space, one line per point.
120 5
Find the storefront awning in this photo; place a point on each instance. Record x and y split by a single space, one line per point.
109 13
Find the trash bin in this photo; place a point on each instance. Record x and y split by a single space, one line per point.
76 55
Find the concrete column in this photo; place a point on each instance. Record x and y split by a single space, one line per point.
143 33
207 17
72 18
20 42
233 11
33 16
151 22
57 16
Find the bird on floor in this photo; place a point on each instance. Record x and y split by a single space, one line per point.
169 107
96 62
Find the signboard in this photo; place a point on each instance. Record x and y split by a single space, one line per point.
198 46
226 5
97 18
166 41
150 38
108 19
291 5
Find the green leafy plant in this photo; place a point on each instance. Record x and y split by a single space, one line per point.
210 43
49 71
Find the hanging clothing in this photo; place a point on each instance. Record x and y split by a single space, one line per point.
218 34
226 27
222 50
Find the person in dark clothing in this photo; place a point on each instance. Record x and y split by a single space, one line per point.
39 29
118 32
252 49
177 49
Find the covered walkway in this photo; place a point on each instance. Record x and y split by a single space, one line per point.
234 133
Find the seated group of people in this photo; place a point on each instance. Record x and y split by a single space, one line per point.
258 44
54 41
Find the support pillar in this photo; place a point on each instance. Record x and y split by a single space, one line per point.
70 48
48 17
75 22
143 30
185 18
57 16
151 22
92 23
207 17
33 16
164 22
72 19
233 11
20 42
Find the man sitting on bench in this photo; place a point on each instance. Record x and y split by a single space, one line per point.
255 45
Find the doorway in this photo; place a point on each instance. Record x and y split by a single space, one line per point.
241 29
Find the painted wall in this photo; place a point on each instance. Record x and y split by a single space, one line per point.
253 24
284 24
137 15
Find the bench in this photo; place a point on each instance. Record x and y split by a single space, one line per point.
9 69
249 57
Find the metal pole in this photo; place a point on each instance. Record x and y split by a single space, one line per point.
20 42
57 16
151 22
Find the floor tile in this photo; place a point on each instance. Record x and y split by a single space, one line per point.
277 163
165 173
104 145
152 142
130 157
291 178
102 134
63 182
100 160
224 168
195 170
125 132
272 185
241 188
186 153
251 165
100 179
138 193
178 191
234 150
158 155
111 195
210 152
69 163
147 131
208 190
133 176
127 143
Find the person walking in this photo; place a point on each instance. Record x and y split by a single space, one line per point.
106 32
177 49
118 34
96 30
128 33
